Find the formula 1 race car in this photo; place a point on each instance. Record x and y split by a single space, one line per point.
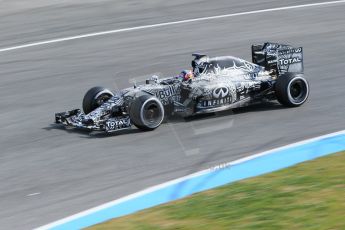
216 84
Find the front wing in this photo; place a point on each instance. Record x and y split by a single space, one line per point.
75 118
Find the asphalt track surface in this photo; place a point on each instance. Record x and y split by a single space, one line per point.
47 173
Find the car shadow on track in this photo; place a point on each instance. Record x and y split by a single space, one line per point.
260 107
90 134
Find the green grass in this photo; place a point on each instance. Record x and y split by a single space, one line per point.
310 195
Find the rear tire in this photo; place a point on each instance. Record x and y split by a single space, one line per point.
95 97
146 112
291 89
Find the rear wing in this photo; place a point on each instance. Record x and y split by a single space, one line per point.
278 57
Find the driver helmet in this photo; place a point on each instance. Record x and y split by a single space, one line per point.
186 75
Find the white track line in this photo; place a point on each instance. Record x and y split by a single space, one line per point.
39 43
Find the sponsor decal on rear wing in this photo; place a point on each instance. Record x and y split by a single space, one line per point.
290 60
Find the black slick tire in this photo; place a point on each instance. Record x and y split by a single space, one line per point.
146 112
95 97
291 89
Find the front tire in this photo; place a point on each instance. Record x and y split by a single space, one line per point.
291 89
146 112
95 97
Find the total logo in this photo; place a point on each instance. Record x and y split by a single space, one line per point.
114 124
220 92
289 61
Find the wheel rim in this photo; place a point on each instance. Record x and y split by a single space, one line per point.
298 91
101 99
152 114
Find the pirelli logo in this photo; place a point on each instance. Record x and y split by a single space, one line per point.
215 102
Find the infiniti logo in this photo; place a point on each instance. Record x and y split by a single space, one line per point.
220 92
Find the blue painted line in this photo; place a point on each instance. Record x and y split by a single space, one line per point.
266 163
